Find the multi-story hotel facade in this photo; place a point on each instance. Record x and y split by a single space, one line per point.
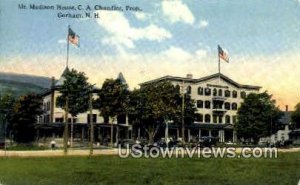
51 122
217 98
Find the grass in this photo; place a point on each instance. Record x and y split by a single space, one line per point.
114 170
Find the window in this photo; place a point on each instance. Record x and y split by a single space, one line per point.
227 119
59 120
199 104
220 119
207 91
234 94
207 104
207 118
177 87
243 94
227 93
215 119
215 92
220 93
189 89
217 105
234 106
200 90
233 119
94 118
199 117
227 106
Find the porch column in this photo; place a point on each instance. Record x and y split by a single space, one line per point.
177 133
209 133
127 132
189 135
139 133
167 133
126 119
117 135
82 133
199 133
223 136
234 137
99 134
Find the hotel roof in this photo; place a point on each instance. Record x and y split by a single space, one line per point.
191 80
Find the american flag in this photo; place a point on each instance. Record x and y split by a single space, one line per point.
222 54
73 38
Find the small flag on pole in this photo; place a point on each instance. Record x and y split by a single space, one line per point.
222 54
73 38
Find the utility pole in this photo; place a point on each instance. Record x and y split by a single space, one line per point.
66 126
5 125
91 123
182 113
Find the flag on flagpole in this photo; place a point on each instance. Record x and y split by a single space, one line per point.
222 54
73 38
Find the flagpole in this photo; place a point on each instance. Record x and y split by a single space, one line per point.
219 66
67 63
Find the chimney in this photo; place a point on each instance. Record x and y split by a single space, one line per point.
190 76
286 108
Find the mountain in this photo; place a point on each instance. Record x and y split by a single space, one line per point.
22 84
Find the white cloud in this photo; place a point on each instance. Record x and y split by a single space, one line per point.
176 54
122 34
203 24
176 11
140 16
201 53
62 41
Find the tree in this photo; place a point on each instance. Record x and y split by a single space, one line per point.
112 100
24 116
258 117
156 104
296 116
74 98
7 101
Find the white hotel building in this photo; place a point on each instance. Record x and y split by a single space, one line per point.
51 123
217 99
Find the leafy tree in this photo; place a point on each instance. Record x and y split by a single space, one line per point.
7 101
74 98
258 116
24 116
112 100
296 116
157 103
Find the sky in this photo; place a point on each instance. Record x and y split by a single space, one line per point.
262 38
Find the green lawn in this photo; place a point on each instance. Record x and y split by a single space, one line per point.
114 170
